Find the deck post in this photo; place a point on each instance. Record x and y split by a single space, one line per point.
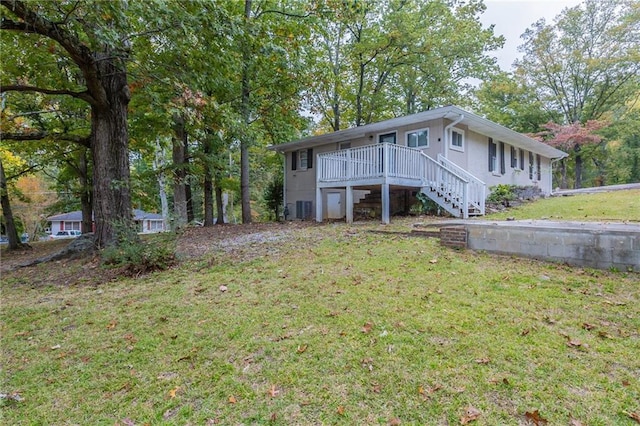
385 203
349 201
318 204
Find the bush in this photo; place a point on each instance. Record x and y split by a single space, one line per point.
427 205
502 194
139 256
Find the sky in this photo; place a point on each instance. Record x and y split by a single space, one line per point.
513 17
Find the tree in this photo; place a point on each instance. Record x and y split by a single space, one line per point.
588 62
94 37
379 59
574 138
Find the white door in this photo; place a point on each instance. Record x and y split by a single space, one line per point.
334 210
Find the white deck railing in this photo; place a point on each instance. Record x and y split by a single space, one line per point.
477 188
377 161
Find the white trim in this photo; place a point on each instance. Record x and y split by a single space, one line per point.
455 147
424 129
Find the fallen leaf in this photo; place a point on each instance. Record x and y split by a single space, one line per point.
483 360
273 417
340 410
433 261
173 392
128 422
232 399
626 383
604 335
588 326
170 413
53 348
367 327
301 348
574 422
395 422
376 387
112 325
535 418
273 391
635 416
471 414
223 288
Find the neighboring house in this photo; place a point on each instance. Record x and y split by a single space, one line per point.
451 155
145 222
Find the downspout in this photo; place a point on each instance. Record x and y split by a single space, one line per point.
446 135
284 187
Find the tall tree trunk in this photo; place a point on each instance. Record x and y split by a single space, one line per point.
219 203
158 166
86 196
12 232
245 188
179 140
360 93
208 182
578 162
110 153
563 173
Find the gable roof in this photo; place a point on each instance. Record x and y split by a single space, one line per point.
474 122
76 216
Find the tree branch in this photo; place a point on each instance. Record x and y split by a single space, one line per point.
85 96
79 52
38 136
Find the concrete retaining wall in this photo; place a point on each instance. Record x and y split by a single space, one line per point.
594 245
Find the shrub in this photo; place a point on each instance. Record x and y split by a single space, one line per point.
139 256
427 205
502 194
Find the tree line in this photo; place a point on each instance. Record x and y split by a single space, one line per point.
169 105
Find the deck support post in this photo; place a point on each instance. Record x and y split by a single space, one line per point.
349 203
318 204
385 203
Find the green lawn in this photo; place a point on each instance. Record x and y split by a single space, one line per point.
616 206
335 325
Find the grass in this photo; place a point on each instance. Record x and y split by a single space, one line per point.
605 206
336 325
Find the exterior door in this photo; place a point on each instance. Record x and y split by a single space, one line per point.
334 210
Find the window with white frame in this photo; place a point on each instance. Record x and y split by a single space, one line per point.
155 225
302 160
457 139
418 138
68 226
387 137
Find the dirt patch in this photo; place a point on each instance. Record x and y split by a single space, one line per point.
238 242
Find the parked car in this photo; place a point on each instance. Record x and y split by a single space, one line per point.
60 235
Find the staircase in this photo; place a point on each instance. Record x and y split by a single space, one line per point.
452 188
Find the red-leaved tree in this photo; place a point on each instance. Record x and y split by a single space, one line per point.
573 138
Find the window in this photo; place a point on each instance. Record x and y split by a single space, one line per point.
457 139
387 137
492 155
155 225
503 167
418 138
514 158
345 145
70 225
302 160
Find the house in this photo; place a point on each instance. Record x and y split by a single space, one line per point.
449 154
145 222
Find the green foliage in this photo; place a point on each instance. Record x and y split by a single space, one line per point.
136 256
273 196
427 205
502 194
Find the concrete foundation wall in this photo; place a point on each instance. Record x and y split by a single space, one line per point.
593 245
